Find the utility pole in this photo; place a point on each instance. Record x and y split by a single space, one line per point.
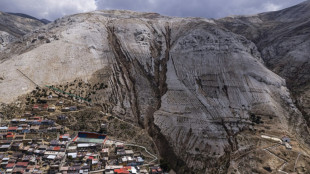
28 78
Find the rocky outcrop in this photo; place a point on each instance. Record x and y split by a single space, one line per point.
5 38
200 90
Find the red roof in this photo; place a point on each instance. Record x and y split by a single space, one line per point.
121 171
57 148
12 128
10 165
10 136
24 164
91 157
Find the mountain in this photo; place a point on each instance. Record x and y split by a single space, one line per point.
44 21
283 39
200 87
12 27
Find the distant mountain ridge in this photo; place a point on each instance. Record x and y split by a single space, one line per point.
13 27
45 21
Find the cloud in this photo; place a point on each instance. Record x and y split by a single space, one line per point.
272 7
52 9
48 9
198 8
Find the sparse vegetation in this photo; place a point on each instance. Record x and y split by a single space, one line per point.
256 119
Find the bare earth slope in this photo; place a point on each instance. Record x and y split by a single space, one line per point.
202 92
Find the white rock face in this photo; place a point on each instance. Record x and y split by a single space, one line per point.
214 83
195 86
283 39
77 54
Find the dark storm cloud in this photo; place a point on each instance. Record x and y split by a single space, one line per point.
52 9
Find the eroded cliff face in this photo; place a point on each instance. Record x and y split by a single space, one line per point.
282 37
196 87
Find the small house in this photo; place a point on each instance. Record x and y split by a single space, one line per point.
124 170
45 107
64 169
129 152
72 149
17 146
19 130
105 152
86 146
4 148
43 147
73 108
65 137
19 137
10 136
35 128
26 130
52 108
27 114
35 108
15 121
47 122
156 170
22 164
62 117
286 139
65 109
140 161
60 103
12 129
3 129
10 166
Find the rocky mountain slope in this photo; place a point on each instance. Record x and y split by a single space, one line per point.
44 21
283 38
12 27
203 92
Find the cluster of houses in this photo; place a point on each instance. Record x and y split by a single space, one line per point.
78 153
18 128
31 156
68 155
52 108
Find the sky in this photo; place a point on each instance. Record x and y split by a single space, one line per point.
53 9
